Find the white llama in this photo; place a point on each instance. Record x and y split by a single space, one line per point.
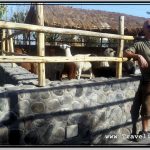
81 66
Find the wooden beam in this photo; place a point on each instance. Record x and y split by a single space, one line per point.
52 59
11 44
7 41
11 41
37 28
12 35
41 45
120 49
3 44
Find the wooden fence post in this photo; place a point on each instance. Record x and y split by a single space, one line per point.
120 48
41 44
11 45
3 44
7 41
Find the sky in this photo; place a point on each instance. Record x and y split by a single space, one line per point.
134 9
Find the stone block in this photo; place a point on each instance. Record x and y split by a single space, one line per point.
79 91
4 135
58 92
44 95
35 95
71 131
77 105
38 107
53 105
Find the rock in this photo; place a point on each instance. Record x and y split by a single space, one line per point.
9 86
89 91
39 122
58 92
123 86
102 98
115 86
86 103
115 116
38 107
3 135
79 91
59 132
77 105
74 119
58 136
44 95
71 131
9 118
4 105
93 98
53 105
130 94
35 95
66 99
107 88
23 107
119 96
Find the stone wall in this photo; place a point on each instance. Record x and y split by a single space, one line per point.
74 112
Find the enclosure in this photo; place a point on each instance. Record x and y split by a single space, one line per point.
36 110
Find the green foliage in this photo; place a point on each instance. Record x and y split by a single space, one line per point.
52 37
67 38
3 9
91 41
19 17
59 37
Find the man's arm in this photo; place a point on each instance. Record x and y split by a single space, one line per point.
141 60
130 54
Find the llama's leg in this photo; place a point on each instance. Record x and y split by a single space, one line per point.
61 74
74 72
91 74
79 73
69 74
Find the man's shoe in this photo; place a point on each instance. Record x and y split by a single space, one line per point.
142 135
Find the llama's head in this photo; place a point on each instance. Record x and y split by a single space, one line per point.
109 52
64 46
20 51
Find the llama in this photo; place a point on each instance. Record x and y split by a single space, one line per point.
108 69
31 67
52 70
70 70
81 66
109 52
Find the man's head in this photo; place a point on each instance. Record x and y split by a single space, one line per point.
146 28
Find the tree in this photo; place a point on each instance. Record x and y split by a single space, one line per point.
52 38
91 41
3 9
20 17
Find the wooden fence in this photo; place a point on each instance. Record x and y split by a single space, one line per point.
41 58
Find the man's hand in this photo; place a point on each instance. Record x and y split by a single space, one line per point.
142 61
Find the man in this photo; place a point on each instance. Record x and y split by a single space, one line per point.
140 51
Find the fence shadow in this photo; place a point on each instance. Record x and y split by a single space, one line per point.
14 120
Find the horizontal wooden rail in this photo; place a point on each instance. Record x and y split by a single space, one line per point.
37 28
13 35
47 59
